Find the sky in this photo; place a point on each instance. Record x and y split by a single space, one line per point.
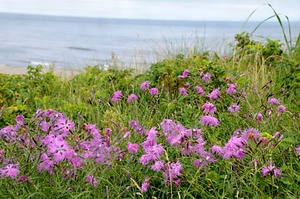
233 10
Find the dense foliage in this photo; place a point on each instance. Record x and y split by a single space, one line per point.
197 126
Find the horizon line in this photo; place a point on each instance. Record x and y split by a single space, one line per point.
144 19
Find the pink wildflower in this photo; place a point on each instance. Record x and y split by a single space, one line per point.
233 148
131 97
59 150
270 169
234 108
117 96
167 126
157 166
231 89
199 90
63 126
273 101
209 108
206 77
217 150
126 135
45 163
10 170
92 180
214 94
183 91
172 172
145 185
20 122
280 109
132 147
187 84
209 121
153 91
259 117
298 150
8 134
185 73
23 178
250 133
145 85
137 127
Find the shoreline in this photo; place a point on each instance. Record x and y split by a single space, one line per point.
13 70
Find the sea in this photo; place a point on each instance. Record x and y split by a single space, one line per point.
77 42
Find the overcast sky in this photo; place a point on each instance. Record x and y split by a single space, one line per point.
156 9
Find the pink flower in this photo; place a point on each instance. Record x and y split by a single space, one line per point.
187 84
259 117
209 108
131 97
172 172
126 135
137 127
231 89
132 147
183 91
152 154
280 109
117 96
75 159
167 126
277 172
233 148
145 85
20 122
8 134
185 73
273 101
59 150
63 126
206 77
145 185
45 163
153 91
92 180
10 170
214 94
250 133
217 150
23 178
234 108
199 90
276 134
45 126
157 166
151 148
209 121
298 150
270 169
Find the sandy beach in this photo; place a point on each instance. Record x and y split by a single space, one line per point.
11 70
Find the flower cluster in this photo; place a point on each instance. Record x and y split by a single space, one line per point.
270 170
54 145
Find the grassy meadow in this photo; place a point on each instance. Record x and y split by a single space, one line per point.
191 126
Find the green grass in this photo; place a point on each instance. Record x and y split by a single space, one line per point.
269 72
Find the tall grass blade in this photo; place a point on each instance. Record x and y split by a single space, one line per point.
288 42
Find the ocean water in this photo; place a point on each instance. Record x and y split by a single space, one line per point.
74 42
